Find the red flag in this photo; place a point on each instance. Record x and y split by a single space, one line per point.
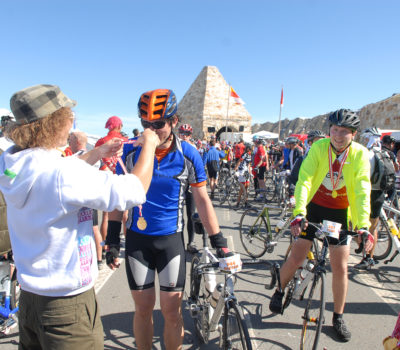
236 97
282 98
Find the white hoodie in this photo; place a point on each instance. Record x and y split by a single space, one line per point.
48 199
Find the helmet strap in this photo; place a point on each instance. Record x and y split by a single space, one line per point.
168 139
340 152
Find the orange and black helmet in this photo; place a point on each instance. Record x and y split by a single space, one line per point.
157 104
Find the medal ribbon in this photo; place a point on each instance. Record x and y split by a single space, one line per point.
335 183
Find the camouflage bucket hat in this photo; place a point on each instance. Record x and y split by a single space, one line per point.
36 102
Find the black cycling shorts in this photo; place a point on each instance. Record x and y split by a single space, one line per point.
261 172
317 213
377 199
212 169
146 254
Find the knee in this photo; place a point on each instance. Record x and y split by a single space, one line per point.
172 316
339 269
144 309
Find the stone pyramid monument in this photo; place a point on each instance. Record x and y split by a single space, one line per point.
205 106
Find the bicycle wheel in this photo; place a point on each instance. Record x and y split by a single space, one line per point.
222 194
198 296
384 243
235 332
253 233
233 193
313 317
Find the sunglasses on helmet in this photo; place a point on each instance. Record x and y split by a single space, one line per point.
159 124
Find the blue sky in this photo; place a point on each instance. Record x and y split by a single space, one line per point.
104 54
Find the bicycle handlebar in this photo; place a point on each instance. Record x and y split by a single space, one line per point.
322 234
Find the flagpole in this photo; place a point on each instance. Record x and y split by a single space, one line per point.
280 114
227 113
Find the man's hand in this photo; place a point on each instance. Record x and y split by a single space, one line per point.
367 238
147 136
112 259
112 148
297 225
220 243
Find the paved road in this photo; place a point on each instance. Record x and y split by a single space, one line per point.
371 309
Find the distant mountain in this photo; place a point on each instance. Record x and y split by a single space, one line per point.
294 126
383 114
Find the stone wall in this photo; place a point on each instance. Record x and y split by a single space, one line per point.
216 112
383 114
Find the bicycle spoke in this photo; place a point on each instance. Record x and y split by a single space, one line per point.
236 334
384 243
253 233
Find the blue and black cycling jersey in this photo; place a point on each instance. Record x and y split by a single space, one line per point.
163 210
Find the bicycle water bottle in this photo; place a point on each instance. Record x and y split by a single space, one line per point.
279 225
210 281
307 269
304 275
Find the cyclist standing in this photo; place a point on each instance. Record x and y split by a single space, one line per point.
295 151
212 159
260 164
333 178
154 240
243 166
111 221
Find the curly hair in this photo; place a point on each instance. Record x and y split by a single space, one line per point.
45 132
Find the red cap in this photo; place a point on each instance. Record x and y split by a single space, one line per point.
113 122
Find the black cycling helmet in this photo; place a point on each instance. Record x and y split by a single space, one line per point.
345 118
388 139
292 140
315 133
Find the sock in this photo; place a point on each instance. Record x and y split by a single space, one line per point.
337 316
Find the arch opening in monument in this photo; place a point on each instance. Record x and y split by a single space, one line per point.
228 129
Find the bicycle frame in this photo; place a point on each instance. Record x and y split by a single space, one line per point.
265 213
208 260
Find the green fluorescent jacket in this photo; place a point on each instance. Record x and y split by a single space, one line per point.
356 173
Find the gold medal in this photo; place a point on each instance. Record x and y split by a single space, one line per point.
141 223
334 194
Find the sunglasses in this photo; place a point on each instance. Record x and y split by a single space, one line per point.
186 133
155 125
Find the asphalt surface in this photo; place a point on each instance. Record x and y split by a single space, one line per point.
371 309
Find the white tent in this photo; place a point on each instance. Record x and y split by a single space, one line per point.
266 134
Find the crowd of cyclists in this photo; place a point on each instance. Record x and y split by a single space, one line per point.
146 182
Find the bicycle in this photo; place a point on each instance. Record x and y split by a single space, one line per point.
282 188
9 294
256 232
393 233
207 307
385 237
312 272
